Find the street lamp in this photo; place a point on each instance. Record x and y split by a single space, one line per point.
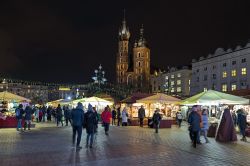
99 77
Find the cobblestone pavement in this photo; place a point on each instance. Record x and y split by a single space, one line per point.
50 145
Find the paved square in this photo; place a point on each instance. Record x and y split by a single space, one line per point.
50 145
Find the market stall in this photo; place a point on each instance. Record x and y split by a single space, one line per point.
215 102
8 103
132 106
168 106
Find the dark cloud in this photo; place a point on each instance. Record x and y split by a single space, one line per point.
64 41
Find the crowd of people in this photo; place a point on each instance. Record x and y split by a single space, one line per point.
80 118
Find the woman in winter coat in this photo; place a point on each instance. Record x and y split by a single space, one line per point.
90 124
204 124
124 117
27 118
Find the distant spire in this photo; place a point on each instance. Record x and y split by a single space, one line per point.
141 32
124 14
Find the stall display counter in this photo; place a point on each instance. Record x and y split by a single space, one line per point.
9 122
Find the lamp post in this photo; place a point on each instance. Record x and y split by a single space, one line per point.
99 77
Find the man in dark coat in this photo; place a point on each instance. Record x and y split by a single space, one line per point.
27 117
90 125
118 116
67 115
194 121
242 123
19 115
156 119
59 115
226 131
113 116
141 115
77 116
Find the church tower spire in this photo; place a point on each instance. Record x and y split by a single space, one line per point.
122 59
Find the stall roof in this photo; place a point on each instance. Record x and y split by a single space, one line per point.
212 97
7 96
159 98
136 96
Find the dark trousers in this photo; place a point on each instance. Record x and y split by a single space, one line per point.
179 122
106 127
58 120
67 120
195 136
77 129
141 122
113 121
91 137
157 127
118 121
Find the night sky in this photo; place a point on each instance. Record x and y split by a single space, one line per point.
65 41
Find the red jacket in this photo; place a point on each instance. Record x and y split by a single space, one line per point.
106 116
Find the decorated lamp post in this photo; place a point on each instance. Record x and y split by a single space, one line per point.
99 77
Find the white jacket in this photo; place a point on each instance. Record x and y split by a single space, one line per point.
124 115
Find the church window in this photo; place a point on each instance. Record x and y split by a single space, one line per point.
138 55
139 64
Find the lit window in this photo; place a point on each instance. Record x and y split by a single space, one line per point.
205 89
233 87
224 74
189 82
172 83
166 77
224 87
172 76
243 71
233 73
178 89
179 75
172 89
178 82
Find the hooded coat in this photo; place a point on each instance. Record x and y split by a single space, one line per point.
226 131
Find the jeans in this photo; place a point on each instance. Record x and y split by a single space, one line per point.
67 120
179 122
91 136
19 124
113 121
243 131
27 123
204 132
77 129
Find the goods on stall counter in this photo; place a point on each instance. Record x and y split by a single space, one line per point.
2 116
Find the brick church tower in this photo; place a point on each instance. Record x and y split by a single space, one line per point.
137 73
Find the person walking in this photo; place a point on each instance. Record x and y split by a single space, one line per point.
49 112
106 117
67 115
242 123
44 113
141 115
19 115
179 118
205 124
156 119
124 117
118 116
59 115
77 116
90 125
194 120
27 117
113 116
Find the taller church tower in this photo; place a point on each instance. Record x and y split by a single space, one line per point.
122 60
